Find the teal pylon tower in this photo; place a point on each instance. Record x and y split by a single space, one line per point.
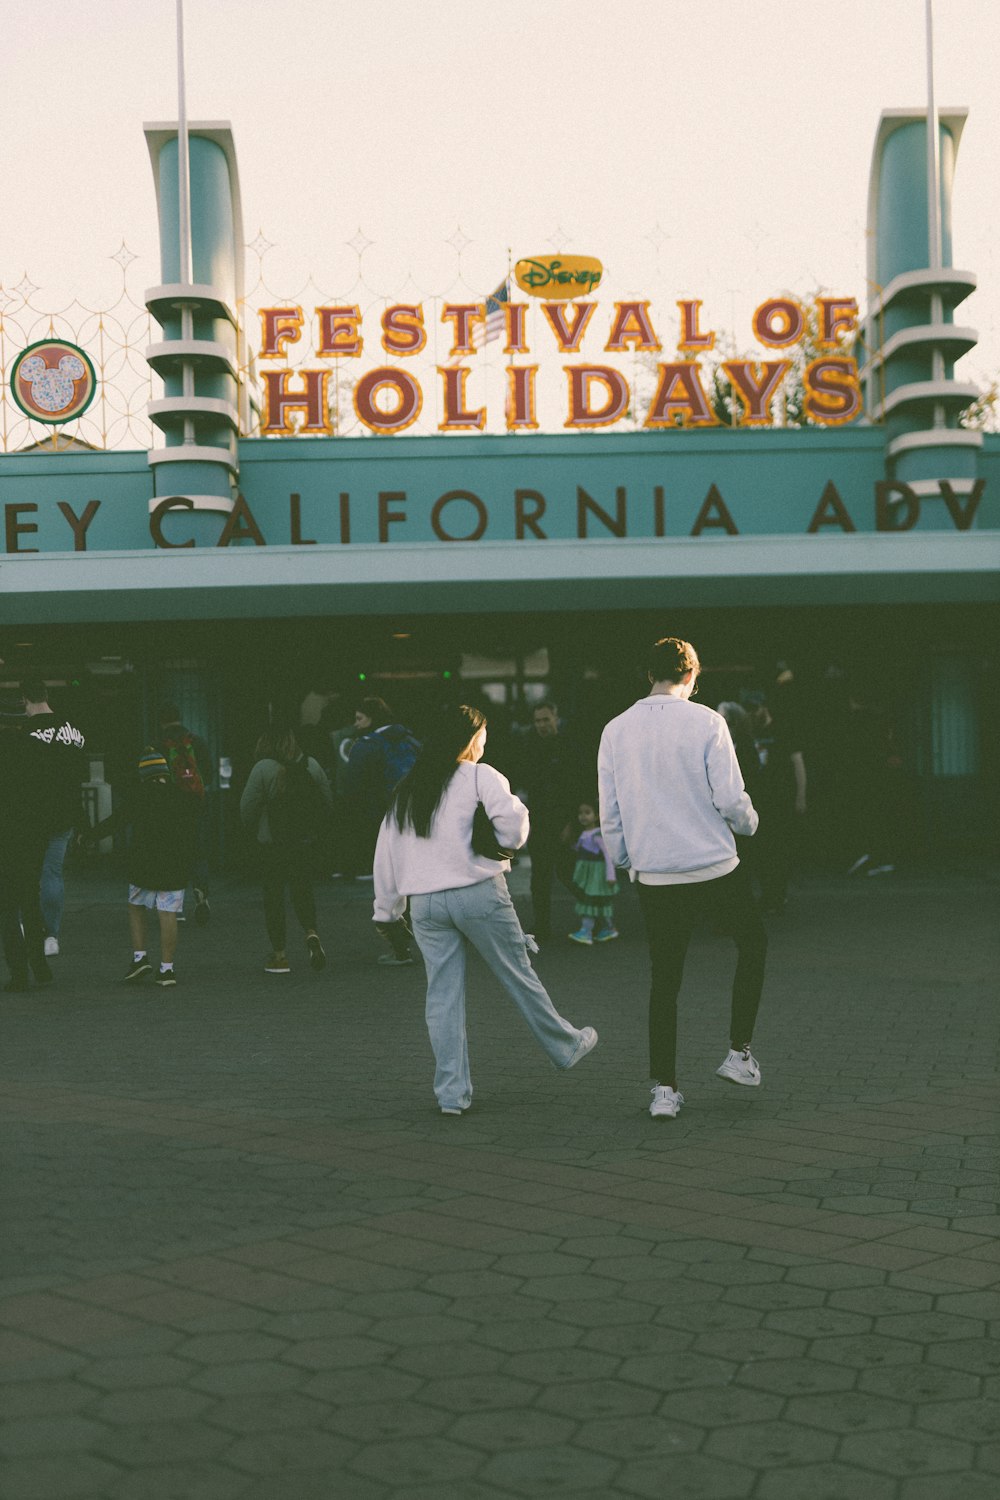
202 356
911 335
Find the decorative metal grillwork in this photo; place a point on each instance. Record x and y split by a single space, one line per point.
115 339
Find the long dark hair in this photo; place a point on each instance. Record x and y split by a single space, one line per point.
419 794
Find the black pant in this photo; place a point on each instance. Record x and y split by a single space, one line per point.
671 914
551 859
289 867
20 905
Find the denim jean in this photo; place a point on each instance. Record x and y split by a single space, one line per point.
444 924
53 891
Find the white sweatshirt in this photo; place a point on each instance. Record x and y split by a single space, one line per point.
671 791
406 865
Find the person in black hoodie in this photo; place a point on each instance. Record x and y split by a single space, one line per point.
63 767
163 822
22 845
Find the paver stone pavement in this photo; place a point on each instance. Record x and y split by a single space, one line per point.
245 1258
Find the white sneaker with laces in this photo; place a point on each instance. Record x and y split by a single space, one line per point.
587 1043
666 1102
740 1067
51 947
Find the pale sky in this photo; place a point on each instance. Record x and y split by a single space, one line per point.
718 151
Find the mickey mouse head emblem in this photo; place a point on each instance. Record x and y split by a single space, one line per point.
53 381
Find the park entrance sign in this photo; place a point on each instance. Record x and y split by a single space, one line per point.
388 398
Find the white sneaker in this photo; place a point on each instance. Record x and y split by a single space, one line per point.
740 1067
51 947
587 1043
666 1102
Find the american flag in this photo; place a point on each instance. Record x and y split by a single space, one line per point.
493 325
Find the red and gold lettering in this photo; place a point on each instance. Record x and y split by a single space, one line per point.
520 405
581 412
280 400
680 393
779 323
279 326
632 326
514 318
568 338
834 396
339 332
835 313
456 416
403 330
410 399
756 385
692 339
462 315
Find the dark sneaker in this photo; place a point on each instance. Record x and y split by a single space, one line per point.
17 985
137 971
317 958
277 963
43 974
166 979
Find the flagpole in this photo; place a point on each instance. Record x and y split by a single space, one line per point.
934 245
183 157
933 153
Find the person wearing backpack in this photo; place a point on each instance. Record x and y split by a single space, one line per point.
187 756
285 806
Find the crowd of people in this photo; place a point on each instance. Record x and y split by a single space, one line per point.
699 808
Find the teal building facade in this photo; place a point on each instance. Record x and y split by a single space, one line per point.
225 570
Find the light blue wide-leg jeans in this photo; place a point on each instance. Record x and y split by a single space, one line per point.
444 924
53 892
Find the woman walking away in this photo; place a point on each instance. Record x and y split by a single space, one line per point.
286 804
458 897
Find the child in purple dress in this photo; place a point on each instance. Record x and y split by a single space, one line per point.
594 877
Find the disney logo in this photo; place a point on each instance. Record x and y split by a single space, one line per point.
576 272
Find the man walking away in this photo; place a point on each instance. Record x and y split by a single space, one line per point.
377 763
63 766
672 798
187 756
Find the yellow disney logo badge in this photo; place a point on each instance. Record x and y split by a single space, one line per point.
559 278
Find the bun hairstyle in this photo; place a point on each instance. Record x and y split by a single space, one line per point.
671 659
